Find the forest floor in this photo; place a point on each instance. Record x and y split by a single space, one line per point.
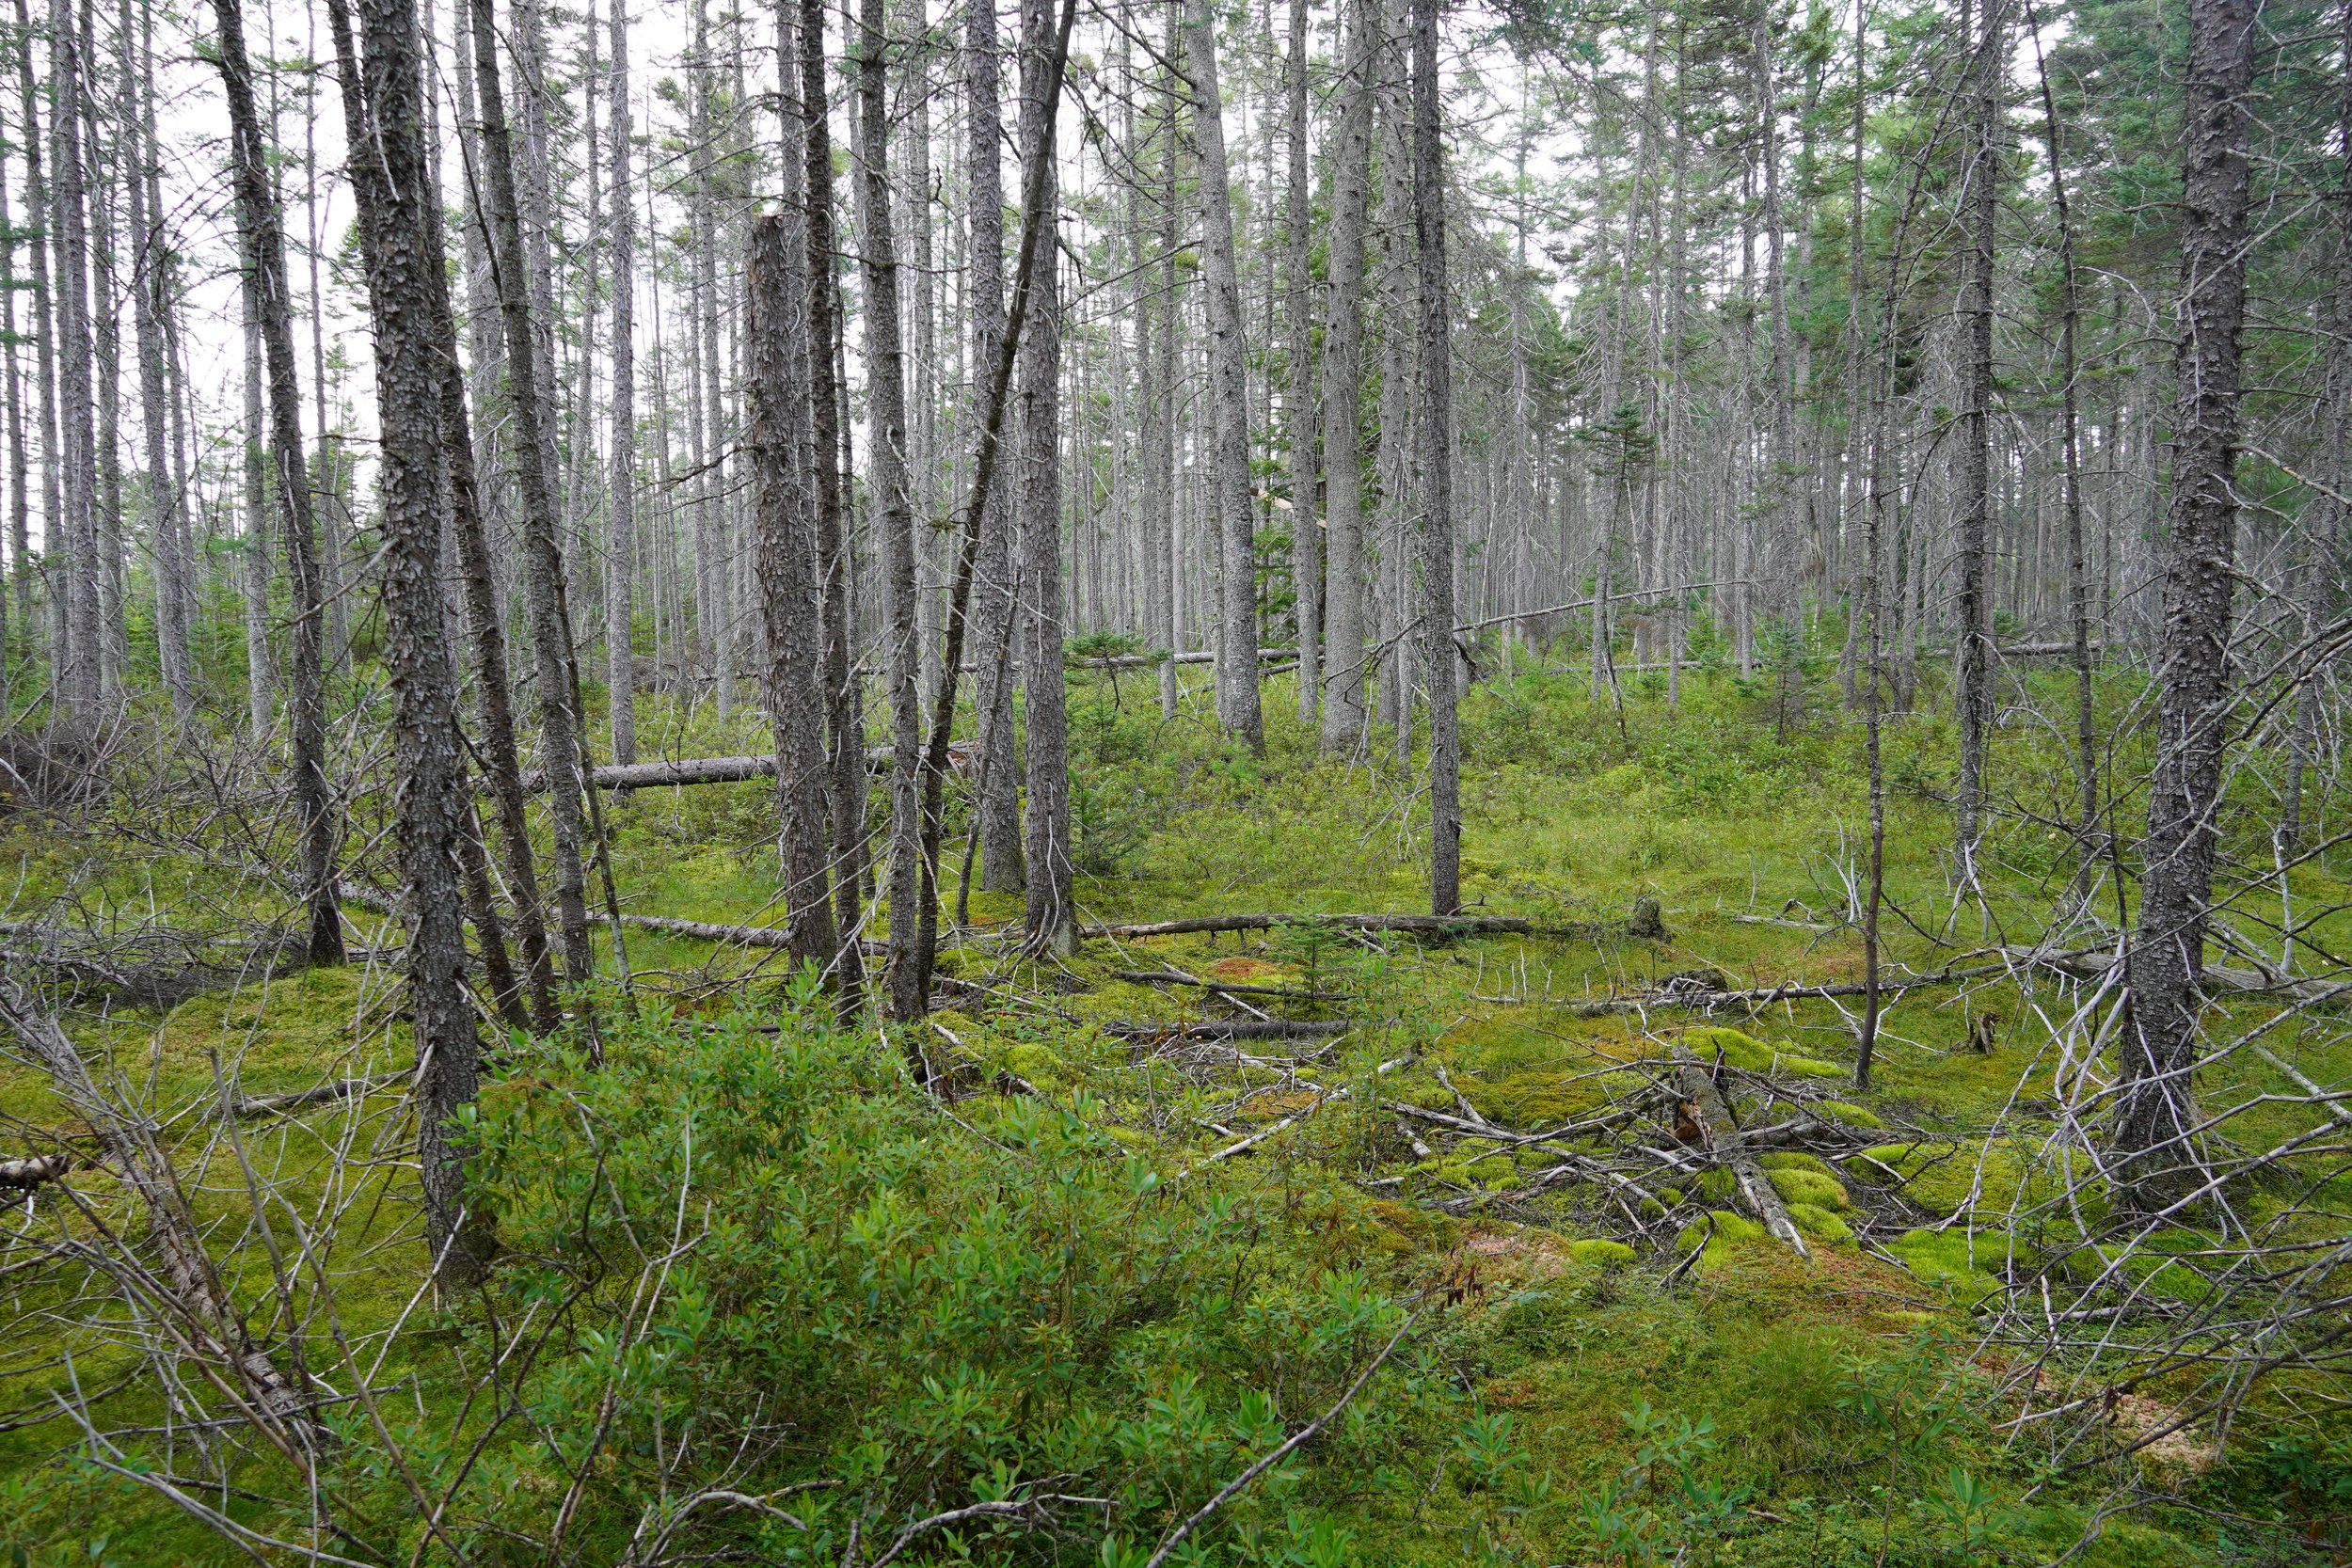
1482 1132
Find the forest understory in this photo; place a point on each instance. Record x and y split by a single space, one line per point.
1567 1212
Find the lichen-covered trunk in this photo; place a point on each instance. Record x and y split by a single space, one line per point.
2155 1159
1435 430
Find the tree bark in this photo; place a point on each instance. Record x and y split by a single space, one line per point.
1974 667
2155 1159
262 225
1435 430
1237 707
620 605
559 736
1300 395
392 188
1003 868
1052 911
79 667
1344 705
894 522
790 606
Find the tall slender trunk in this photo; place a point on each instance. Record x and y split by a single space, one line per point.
844 717
391 183
1974 640
262 225
1300 395
1160 473
559 736
37 203
163 498
1228 396
80 675
1052 914
2155 1160
1435 430
620 604
894 522
1344 706
1002 867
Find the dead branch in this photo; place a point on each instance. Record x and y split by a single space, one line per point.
1721 1138
1467 925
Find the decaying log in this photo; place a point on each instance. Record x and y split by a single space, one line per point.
318 1094
740 936
1178 978
1722 1139
23 1176
1464 925
1230 1029
155 967
193 1302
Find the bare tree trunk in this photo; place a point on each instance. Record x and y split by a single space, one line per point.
163 497
253 558
1436 428
559 736
1974 637
263 230
894 522
1051 914
391 183
789 602
1159 463
80 675
1002 865
2155 1161
620 605
36 201
1305 540
845 720
1228 396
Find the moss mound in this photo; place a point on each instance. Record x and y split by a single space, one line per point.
1750 1055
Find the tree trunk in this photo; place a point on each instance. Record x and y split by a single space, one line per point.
1974 637
392 188
1299 290
263 227
894 522
2155 1162
620 605
80 669
1052 911
1435 430
169 535
845 718
1002 867
558 737
787 562
1229 398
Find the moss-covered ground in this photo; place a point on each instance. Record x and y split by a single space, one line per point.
1584 1392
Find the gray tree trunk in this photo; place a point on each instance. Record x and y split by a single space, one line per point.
1974 637
1299 396
1229 397
80 674
894 521
1052 914
1435 430
391 183
620 604
559 736
1344 705
2155 1160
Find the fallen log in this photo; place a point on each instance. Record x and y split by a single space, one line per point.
1178 978
678 772
740 936
23 1176
1440 925
156 966
318 1094
1721 1138
1232 1029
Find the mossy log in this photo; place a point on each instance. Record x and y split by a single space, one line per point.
1720 1137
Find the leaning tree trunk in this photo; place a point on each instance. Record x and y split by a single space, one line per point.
777 352
263 231
543 559
894 521
1229 399
392 189
1435 430
1052 911
2155 1162
1344 710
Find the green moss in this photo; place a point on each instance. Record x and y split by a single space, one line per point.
1852 1116
1721 1233
1796 1159
1811 1187
1751 1054
1601 1253
1953 1260
1819 1223
1992 1178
